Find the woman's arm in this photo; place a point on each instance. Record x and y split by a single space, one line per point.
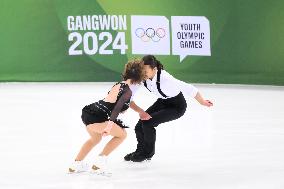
116 110
142 114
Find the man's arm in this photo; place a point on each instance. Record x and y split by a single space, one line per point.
201 101
142 114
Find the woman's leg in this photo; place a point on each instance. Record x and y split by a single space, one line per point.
119 135
89 144
117 132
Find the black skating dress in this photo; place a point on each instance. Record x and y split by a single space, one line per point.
102 111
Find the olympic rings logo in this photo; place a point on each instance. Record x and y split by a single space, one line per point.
150 34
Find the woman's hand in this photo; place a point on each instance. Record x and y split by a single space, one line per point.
107 130
207 103
144 115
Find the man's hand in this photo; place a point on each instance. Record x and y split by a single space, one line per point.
201 100
144 115
207 103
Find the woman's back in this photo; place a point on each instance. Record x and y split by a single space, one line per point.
115 92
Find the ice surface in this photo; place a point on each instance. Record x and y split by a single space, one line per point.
237 144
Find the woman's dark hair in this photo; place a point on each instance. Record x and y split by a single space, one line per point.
152 62
134 70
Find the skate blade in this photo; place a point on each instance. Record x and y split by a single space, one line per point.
72 171
97 171
101 173
105 174
141 162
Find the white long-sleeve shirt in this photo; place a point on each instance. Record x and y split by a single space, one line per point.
169 85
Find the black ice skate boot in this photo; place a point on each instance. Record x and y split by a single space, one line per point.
128 156
139 157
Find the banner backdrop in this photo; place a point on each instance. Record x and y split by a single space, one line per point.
208 41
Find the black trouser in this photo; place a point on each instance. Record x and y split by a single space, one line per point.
163 110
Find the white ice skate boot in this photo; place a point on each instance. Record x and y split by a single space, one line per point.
78 167
100 167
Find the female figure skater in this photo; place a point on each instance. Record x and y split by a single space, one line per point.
100 119
170 105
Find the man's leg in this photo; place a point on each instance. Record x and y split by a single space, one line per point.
139 130
149 131
139 136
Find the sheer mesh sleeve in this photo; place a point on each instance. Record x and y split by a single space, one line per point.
126 95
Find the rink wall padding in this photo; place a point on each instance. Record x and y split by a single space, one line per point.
246 39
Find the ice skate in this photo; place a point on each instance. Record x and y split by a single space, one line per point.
100 167
78 167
